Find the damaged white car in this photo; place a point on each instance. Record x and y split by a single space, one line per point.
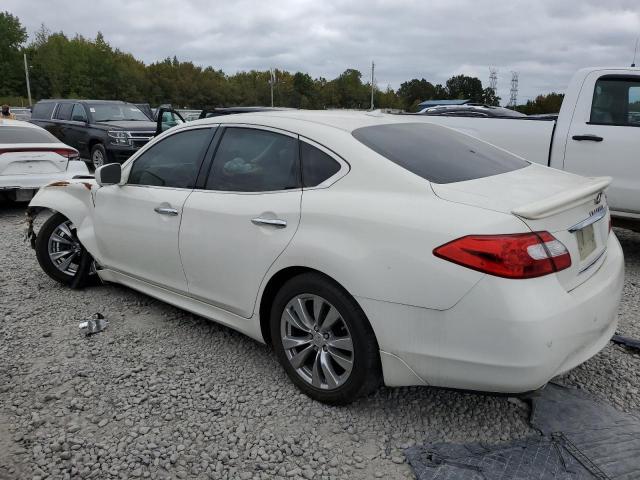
31 157
365 248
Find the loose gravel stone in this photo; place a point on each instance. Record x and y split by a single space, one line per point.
164 394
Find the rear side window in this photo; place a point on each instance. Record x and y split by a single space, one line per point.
436 153
25 135
251 160
317 166
78 114
64 111
43 110
173 162
616 101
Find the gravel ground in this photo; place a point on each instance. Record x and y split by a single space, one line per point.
164 394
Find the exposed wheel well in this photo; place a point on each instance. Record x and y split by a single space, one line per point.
272 288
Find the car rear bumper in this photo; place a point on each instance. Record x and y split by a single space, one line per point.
504 335
35 181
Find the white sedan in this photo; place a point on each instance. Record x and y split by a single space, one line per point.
366 248
31 157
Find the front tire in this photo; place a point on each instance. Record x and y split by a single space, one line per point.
58 250
98 155
324 341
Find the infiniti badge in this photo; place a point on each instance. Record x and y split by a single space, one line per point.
598 198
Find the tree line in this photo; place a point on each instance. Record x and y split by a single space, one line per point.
78 67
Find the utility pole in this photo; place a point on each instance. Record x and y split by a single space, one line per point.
373 66
26 73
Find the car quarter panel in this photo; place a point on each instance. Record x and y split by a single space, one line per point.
374 231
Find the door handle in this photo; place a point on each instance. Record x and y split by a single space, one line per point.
274 222
591 138
166 211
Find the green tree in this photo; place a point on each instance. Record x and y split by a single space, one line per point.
12 37
464 87
549 103
415 91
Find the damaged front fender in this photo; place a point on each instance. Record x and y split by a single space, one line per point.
75 200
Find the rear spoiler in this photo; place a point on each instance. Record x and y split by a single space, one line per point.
563 200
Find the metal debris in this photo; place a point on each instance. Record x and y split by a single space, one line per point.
626 341
94 324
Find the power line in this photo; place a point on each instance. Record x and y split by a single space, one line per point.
493 80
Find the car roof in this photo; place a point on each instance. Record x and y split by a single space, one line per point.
73 100
346 120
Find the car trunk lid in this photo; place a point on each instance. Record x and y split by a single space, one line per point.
572 208
24 159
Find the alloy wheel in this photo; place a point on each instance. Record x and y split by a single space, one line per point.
317 341
97 158
64 248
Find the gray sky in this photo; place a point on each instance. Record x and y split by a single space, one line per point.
544 40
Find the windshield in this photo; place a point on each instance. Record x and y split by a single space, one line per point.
114 112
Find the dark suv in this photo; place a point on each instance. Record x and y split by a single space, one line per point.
104 131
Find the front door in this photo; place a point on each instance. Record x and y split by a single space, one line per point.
137 223
604 138
235 227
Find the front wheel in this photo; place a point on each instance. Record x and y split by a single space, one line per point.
98 155
324 341
58 250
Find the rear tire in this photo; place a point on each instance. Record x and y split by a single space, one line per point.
56 236
324 341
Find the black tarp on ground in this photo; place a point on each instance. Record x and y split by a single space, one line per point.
580 439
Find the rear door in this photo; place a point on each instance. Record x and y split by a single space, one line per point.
137 223
604 137
242 217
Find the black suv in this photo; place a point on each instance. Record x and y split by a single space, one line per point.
104 131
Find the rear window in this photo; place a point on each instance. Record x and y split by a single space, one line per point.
437 154
43 110
25 135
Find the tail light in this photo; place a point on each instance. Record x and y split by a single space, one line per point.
520 255
68 153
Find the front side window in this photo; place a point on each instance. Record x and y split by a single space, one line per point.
317 166
251 160
616 101
173 162
78 114
437 154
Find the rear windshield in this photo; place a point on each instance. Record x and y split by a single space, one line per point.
25 135
437 154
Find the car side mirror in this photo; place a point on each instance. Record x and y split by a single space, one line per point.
109 174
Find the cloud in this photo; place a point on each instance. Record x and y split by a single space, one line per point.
544 40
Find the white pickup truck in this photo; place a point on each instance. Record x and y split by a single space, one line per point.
596 133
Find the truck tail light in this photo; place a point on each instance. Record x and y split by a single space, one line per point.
520 255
